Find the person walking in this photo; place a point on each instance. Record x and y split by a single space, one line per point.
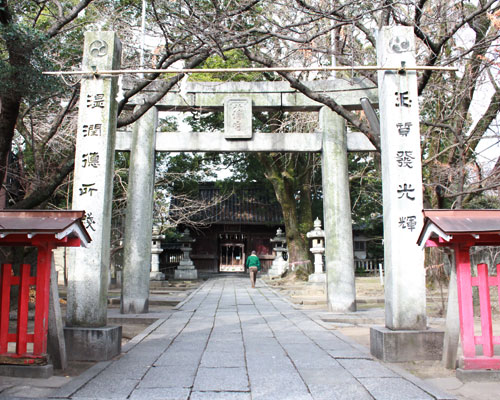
253 265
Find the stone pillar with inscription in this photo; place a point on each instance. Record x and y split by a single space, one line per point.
404 336
339 255
139 216
86 333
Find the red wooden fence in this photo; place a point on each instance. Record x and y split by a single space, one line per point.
470 340
22 337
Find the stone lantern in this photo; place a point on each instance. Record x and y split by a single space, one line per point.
186 269
279 265
318 248
156 250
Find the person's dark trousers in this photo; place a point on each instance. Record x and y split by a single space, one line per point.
253 275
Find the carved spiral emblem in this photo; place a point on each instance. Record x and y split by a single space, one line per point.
98 48
399 44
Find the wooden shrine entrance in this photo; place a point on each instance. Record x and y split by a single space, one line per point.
232 257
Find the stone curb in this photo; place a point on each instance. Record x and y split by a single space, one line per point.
138 338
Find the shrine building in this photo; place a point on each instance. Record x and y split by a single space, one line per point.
244 221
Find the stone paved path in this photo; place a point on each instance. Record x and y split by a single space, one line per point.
228 341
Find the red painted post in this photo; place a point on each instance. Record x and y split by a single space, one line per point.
498 289
485 307
465 306
22 310
42 299
5 307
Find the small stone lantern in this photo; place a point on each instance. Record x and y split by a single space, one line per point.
186 269
156 250
318 248
279 265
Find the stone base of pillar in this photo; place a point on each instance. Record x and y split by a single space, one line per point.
186 274
27 371
317 278
134 305
277 268
405 345
156 276
93 344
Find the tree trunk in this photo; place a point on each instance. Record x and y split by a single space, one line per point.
297 217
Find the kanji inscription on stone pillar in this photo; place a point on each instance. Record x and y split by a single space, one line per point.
93 180
401 180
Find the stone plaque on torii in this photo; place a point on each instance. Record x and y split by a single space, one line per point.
331 140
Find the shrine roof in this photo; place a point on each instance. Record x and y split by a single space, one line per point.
445 224
250 206
244 206
30 223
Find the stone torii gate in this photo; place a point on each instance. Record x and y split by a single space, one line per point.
97 139
237 100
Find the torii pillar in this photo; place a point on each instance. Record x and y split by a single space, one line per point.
86 332
139 216
405 336
339 255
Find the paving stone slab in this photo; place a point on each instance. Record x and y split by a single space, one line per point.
276 380
279 393
106 387
336 376
190 340
289 338
183 345
160 394
220 396
179 357
344 391
123 368
221 379
332 344
212 359
269 363
362 368
234 346
265 345
177 376
218 335
258 330
393 389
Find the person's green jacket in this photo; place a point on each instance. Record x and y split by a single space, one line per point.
253 261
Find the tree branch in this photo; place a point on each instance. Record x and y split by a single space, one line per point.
301 87
61 22
47 187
